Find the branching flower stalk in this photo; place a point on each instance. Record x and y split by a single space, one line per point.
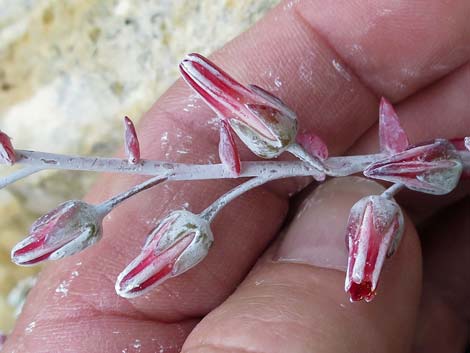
268 127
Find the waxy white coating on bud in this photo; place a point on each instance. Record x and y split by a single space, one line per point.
375 228
433 168
283 131
178 243
68 229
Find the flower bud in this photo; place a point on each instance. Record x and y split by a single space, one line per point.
262 121
392 137
375 227
433 168
179 242
68 229
313 145
131 144
7 152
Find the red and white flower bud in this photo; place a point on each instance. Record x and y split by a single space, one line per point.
68 229
375 227
179 242
7 152
433 168
392 137
131 142
262 121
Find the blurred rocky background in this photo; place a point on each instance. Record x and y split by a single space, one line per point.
69 71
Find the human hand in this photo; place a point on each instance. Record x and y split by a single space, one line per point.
330 62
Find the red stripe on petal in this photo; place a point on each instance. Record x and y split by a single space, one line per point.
165 271
38 259
163 263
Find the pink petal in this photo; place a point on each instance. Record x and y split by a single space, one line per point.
131 141
151 268
69 228
228 151
220 91
7 152
226 96
313 144
393 138
375 227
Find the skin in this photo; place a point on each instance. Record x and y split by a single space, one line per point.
414 53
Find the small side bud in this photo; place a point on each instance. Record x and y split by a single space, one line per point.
393 138
131 142
7 152
313 144
228 151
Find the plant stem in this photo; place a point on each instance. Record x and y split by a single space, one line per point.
105 207
335 166
210 212
340 166
18 175
300 153
392 190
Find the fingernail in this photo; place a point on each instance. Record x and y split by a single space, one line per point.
316 236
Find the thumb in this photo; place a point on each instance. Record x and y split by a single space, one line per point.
294 300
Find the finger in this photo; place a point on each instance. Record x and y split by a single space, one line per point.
296 302
168 132
313 81
446 287
395 48
440 111
177 129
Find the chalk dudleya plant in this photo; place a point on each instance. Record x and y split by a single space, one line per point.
269 128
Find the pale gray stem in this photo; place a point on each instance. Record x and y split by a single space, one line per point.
18 175
298 151
210 212
334 166
392 190
105 207
338 166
